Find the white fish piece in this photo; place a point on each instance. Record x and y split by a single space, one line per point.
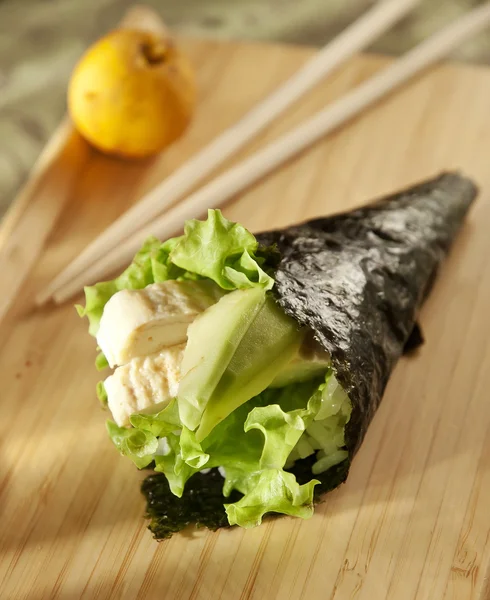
144 384
142 322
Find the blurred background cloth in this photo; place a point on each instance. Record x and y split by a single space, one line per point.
40 42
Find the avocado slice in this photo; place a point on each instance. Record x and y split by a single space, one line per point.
309 362
234 351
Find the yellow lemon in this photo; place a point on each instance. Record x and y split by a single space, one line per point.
132 93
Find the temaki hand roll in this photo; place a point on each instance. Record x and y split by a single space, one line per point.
247 369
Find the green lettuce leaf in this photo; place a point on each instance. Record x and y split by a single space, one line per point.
173 466
138 445
141 442
160 424
273 490
101 362
101 393
281 431
324 435
191 450
222 251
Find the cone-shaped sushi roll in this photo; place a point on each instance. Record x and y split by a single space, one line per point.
247 369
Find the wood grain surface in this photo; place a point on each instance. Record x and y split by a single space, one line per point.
412 522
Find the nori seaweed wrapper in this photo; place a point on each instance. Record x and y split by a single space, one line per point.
357 279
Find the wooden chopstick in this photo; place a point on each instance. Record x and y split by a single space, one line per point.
37 209
355 38
250 170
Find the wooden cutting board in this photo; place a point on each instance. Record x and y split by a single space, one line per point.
413 520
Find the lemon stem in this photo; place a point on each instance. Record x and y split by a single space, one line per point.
154 54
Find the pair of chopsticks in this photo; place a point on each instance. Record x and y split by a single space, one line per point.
116 246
